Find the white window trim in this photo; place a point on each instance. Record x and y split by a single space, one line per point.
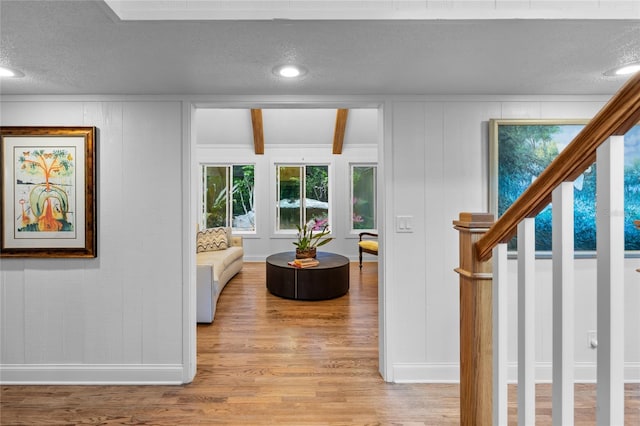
228 166
352 230
287 233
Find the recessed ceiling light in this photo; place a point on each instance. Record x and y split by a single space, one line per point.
624 70
289 71
6 72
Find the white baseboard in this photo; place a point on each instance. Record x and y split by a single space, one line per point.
426 373
632 372
173 374
74 374
585 372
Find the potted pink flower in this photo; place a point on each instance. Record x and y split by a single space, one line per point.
311 236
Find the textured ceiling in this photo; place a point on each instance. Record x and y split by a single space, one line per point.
81 47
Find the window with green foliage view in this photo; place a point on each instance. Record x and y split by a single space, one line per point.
228 195
303 195
363 197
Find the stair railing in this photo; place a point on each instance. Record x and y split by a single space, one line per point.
483 286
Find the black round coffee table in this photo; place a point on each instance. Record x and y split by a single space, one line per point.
328 280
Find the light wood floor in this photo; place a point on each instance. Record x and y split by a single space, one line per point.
271 361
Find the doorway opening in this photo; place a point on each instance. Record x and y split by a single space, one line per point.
224 135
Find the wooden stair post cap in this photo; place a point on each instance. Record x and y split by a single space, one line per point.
475 220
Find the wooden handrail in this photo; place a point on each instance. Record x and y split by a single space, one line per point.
617 117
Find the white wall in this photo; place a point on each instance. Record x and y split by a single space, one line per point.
118 317
439 169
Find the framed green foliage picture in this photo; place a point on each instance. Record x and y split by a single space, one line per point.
521 149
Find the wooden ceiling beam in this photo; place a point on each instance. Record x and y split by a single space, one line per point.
341 125
258 133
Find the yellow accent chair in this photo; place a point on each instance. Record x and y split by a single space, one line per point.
367 245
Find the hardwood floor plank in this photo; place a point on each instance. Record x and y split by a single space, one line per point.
272 361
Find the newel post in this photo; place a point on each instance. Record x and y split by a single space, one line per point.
476 346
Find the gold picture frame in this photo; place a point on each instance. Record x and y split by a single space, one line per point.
48 192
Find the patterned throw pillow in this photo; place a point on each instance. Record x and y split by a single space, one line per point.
212 239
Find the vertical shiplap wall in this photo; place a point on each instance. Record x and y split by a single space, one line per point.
440 167
116 318
408 199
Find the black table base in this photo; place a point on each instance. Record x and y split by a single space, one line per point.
328 280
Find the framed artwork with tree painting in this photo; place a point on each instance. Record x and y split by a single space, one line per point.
48 192
521 149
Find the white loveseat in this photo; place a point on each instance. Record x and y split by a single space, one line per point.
217 262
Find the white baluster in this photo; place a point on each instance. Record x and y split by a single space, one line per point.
526 322
563 306
610 241
500 363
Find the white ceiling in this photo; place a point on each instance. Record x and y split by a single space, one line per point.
284 126
82 47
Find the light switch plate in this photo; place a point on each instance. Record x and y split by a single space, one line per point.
404 223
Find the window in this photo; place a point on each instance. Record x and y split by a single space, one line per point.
363 197
228 197
294 209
